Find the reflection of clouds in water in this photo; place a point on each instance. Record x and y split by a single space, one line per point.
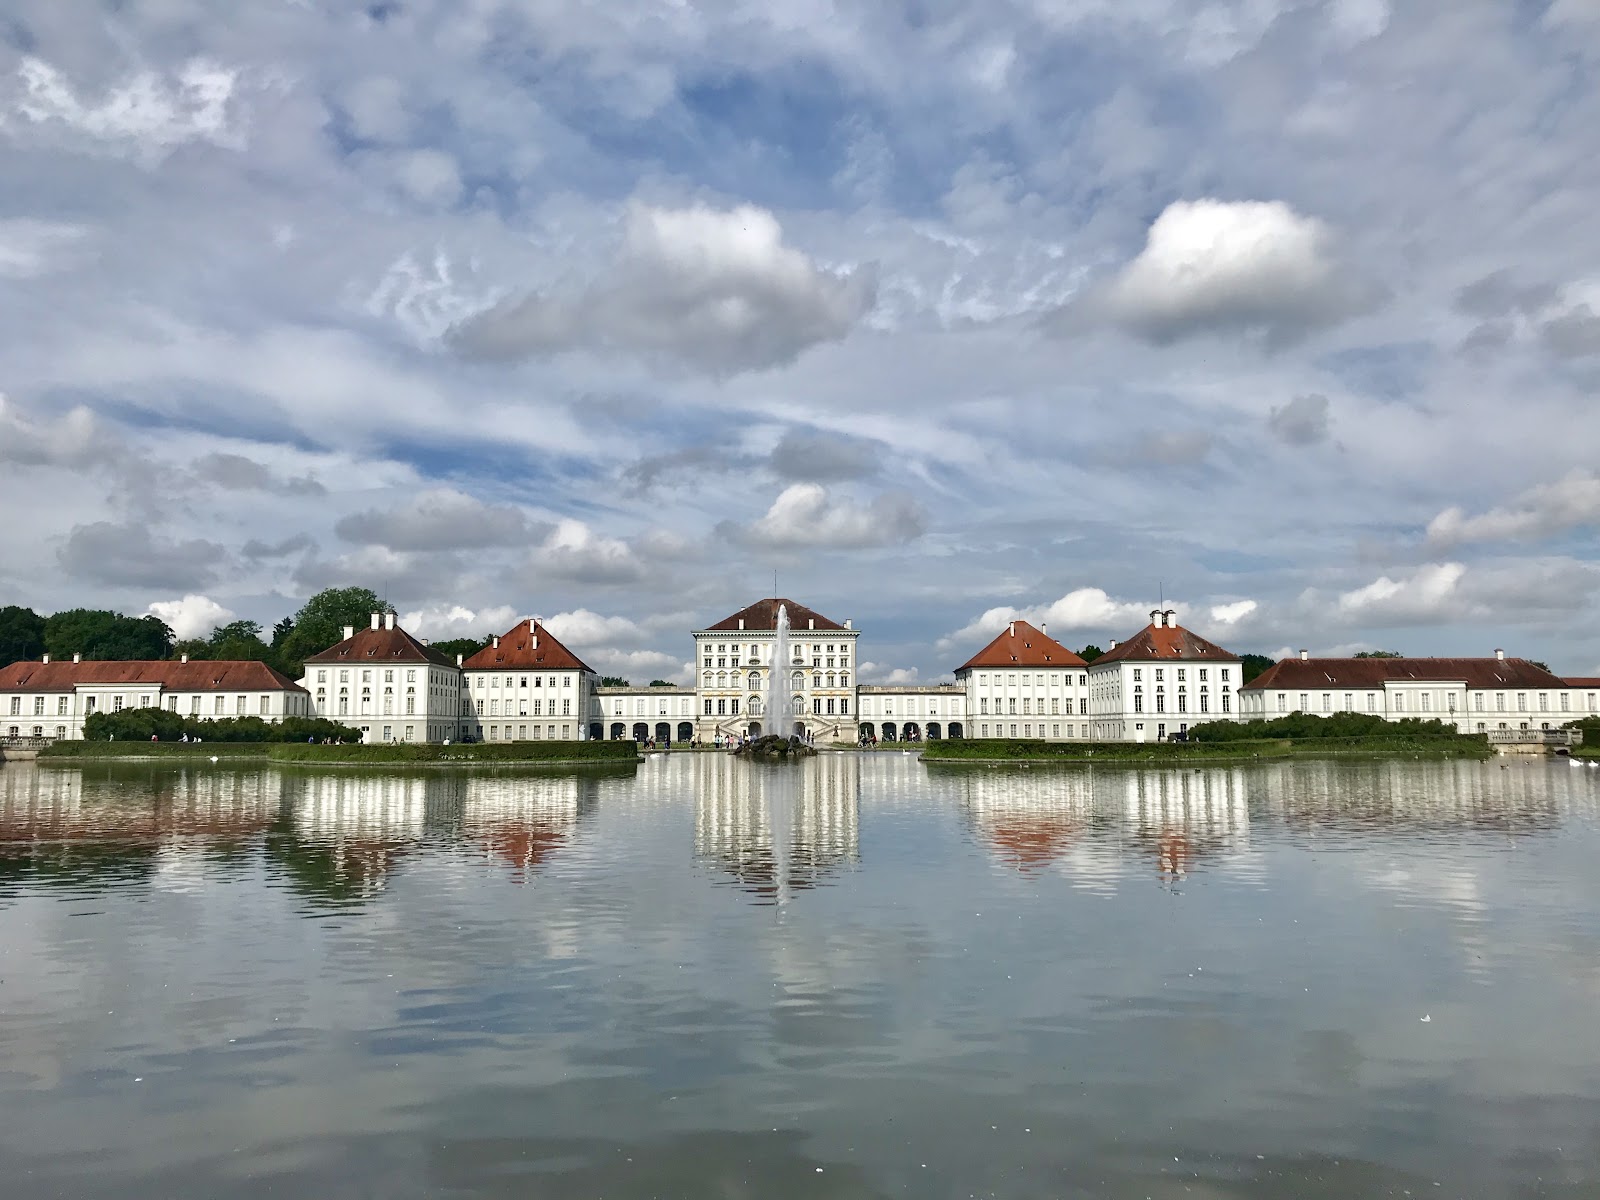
781 827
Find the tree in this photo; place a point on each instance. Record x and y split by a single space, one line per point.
659 683
1380 654
1090 652
614 681
105 635
282 630
466 647
21 635
320 623
1545 667
1252 665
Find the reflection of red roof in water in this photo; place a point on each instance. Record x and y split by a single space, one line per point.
1032 841
105 823
520 846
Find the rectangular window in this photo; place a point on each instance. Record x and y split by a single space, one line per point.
983 705
1522 701
1563 702
1138 675
1013 731
38 706
1427 701
1227 702
61 706
844 707
266 704
238 706
116 704
983 731
1083 707
1283 703
16 706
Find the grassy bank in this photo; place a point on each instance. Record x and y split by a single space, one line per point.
476 752
203 751
313 753
1184 752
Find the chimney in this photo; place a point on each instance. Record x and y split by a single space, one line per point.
1305 655
811 622
1011 629
497 641
377 620
78 658
185 658
458 660
1155 616
1170 614
45 659
1044 628
847 623
349 632
388 620
1500 654
1113 645
741 622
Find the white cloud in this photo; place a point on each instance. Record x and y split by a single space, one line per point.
29 248
883 674
717 290
193 616
130 554
1540 512
1233 614
439 519
580 627
1427 594
75 439
573 551
1214 266
441 622
1083 610
805 514
146 117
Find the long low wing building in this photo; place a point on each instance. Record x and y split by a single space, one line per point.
1476 695
53 699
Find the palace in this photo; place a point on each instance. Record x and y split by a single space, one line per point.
527 685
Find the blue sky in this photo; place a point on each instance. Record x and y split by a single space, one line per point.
1288 310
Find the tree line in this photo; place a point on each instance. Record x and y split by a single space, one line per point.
104 635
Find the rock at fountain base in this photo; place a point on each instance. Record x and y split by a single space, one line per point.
773 748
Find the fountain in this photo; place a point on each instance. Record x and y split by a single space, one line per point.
782 743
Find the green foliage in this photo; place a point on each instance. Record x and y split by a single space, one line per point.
1251 665
234 642
614 681
104 635
136 725
1090 652
492 752
660 683
1304 725
981 750
1543 666
1380 654
21 635
466 647
320 623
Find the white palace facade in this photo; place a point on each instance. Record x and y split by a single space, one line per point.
526 685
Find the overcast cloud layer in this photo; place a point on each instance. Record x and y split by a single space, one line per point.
1284 311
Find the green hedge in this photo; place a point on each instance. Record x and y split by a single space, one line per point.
958 750
137 724
148 749
1304 726
415 752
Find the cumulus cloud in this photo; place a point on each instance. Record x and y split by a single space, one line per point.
818 456
193 616
76 439
1163 448
885 675
1213 266
573 551
1573 332
236 473
30 249
1427 594
256 549
1301 422
129 555
440 519
146 117
1540 512
1234 613
805 514
688 466
580 627
716 290
441 622
1087 609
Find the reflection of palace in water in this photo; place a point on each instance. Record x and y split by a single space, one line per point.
1029 819
1179 817
780 828
333 836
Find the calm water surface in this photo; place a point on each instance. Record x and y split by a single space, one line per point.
859 977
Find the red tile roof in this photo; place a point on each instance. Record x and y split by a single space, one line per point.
1166 643
1582 681
196 675
381 645
1375 672
522 649
763 615
1021 645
